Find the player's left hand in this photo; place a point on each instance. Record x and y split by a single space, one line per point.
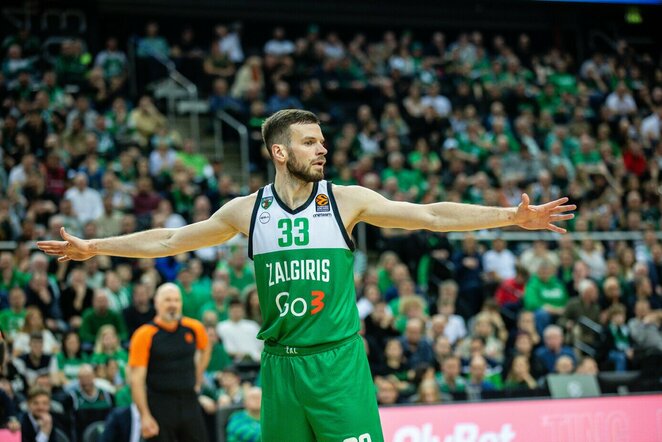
544 216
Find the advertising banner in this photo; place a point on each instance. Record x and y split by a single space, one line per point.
613 419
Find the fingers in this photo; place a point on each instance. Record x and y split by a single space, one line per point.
564 217
559 209
64 234
525 200
63 259
556 229
557 202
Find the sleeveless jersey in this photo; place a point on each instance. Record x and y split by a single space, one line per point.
304 269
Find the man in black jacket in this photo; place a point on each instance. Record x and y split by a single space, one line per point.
37 423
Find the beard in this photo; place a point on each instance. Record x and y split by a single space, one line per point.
302 172
172 316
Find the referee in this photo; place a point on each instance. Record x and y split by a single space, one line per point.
168 357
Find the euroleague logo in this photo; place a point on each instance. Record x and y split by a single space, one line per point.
322 203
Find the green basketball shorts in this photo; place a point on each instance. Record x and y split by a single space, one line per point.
323 393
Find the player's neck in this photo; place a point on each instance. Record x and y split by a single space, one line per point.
291 190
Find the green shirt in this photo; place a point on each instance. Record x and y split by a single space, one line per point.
193 300
70 366
194 161
538 293
91 323
460 384
219 358
242 427
221 313
11 322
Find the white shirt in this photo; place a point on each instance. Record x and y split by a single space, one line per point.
441 104
41 436
502 263
240 337
650 127
621 106
231 46
279 47
455 329
87 204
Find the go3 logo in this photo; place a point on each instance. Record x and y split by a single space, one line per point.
299 306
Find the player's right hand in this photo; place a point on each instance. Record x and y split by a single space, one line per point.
149 427
72 248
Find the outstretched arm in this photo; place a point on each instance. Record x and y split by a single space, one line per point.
232 218
359 204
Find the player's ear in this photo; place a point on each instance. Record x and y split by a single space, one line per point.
279 152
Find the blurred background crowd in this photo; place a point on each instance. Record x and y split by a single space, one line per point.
422 117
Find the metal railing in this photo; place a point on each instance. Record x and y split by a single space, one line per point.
173 74
219 143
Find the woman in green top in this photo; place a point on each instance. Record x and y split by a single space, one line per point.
423 159
69 360
107 347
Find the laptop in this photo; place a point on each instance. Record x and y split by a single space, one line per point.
564 386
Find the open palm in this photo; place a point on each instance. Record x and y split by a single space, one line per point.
544 216
72 248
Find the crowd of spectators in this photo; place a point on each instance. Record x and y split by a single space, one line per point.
415 117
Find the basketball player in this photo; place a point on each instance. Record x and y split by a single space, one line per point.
315 375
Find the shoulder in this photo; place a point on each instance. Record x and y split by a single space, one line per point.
191 323
144 332
237 212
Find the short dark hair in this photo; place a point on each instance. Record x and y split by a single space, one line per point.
276 128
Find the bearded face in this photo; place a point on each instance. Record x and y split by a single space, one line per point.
307 173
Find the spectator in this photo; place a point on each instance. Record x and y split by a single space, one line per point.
72 63
34 324
545 296
450 380
111 60
108 347
36 362
520 375
140 311
37 423
428 392
620 102
146 120
616 346
417 347
585 305
90 404
86 202
13 317
229 42
499 262
244 426
239 334
69 360
553 348
510 292
387 391
231 392
279 45
438 102
282 99
99 315
75 298
476 384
